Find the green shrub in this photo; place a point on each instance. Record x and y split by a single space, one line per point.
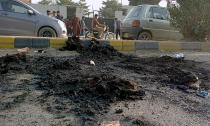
192 18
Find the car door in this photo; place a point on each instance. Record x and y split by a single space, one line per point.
17 21
158 22
3 20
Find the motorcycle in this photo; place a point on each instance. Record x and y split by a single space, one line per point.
107 35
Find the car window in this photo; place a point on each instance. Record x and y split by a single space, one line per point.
1 6
12 6
158 13
134 12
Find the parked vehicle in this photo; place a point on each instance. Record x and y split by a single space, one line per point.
146 22
107 35
19 19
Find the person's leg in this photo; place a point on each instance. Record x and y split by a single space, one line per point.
100 31
78 32
116 34
119 32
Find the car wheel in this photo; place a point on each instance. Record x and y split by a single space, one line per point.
47 32
144 36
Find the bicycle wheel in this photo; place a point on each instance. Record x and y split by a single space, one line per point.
87 34
110 36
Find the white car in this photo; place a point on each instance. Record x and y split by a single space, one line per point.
19 19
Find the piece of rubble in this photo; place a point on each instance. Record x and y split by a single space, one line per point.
92 63
110 123
26 49
119 111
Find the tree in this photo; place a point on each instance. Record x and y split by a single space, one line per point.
139 2
45 2
192 18
109 8
82 4
66 2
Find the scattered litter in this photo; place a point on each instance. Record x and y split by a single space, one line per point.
92 63
142 122
183 88
40 51
196 85
26 49
178 56
119 111
203 94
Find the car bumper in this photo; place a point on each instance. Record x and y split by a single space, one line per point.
63 33
130 32
63 36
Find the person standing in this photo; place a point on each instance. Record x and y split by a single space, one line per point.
59 16
97 26
84 27
48 13
76 25
117 25
68 25
54 14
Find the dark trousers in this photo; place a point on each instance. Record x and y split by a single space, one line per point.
117 33
69 31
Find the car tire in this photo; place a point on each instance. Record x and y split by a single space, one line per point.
144 36
47 32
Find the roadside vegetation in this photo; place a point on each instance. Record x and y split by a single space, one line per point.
192 19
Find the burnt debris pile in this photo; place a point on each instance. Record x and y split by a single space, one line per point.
92 50
88 90
165 70
5 61
92 88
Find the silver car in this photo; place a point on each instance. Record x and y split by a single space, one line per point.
19 19
145 22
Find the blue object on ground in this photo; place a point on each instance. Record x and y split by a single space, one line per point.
203 94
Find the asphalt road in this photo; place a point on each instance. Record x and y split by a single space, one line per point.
158 107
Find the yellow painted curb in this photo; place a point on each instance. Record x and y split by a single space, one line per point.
170 46
7 42
128 45
57 43
116 44
205 46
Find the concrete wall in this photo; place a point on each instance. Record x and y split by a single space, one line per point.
120 15
79 12
43 9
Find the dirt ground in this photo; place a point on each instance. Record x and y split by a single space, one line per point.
61 88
